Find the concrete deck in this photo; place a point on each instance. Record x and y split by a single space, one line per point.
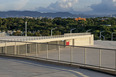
10 67
104 44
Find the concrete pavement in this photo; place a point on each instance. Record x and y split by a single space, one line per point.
10 67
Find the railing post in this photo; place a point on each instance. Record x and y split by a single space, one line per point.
39 48
15 49
5 48
18 50
30 49
85 56
47 52
115 61
26 49
36 49
99 58
59 53
71 55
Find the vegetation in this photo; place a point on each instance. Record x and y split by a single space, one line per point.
43 26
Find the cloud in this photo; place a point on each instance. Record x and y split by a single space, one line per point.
106 6
59 6
20 4
6 5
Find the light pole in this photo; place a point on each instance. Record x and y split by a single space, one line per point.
103 37
112 38
52 30
39 32
101 34
88 30
72 30
26 29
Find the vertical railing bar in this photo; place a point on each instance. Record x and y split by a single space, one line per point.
18 49
15 49
5 48
59 53
26 49
30 48
47 52
36 49
100 58
39 49
115 61
71 54
85 56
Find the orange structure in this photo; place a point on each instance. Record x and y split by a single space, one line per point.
77 19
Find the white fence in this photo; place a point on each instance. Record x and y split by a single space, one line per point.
84 56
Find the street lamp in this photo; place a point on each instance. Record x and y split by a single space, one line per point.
112 36
26 29
101 34
88 30
72 30
52 30
103 37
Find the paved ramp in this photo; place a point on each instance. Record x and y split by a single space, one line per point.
25 68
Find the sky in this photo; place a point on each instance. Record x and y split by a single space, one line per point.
73 6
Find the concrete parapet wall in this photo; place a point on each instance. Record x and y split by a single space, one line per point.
84 40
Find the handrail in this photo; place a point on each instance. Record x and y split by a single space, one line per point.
39 38
26 46
3 41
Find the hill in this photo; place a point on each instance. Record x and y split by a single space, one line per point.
5 14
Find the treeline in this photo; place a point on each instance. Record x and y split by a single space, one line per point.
43 26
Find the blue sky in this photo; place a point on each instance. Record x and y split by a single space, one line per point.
59 5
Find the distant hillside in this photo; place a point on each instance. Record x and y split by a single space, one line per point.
34 14
38 14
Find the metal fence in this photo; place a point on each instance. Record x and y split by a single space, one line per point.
84 56
22 38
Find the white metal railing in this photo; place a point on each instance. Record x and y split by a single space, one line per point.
85 56
19 38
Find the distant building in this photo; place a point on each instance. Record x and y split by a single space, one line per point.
80 19
108 25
